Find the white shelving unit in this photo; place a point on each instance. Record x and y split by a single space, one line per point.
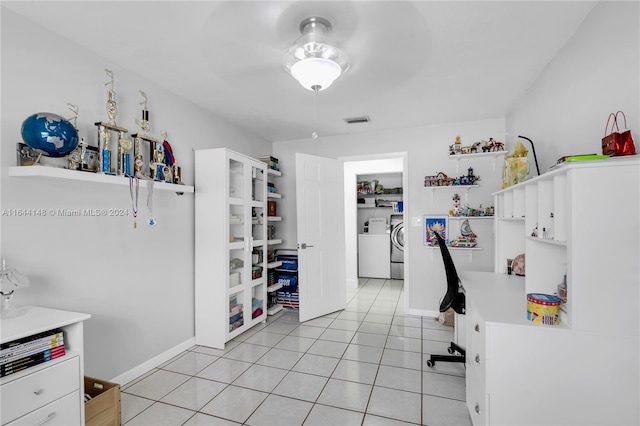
273 308
231 287
52 390
515 367
80 176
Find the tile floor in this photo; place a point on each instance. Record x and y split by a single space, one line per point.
361 366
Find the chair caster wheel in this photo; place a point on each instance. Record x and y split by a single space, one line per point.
429 363
450 350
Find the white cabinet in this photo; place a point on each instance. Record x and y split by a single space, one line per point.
53 390
231 238
585 370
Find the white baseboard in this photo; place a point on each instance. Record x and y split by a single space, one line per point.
149 365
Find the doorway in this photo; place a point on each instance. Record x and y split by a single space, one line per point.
379 216
368 165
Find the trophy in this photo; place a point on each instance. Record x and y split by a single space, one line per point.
104 134
75 156
175 175
145 127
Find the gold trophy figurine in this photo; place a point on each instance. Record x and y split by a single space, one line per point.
75 156
144 124
112 107
74 109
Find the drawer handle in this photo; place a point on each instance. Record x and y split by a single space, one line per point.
477 328
38 391
478 408
478 358
49 417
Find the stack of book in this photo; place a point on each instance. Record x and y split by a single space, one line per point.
29 351
270 161
236 318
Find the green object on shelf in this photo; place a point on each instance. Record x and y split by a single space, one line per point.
586 157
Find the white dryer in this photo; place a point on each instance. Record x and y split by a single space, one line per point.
397 246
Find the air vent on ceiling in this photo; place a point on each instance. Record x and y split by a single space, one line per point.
361 119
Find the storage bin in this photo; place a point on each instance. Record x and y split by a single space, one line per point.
543 308
103 409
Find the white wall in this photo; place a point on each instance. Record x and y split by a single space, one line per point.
427 150
138 285
597 72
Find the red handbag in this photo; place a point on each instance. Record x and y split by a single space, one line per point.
617 143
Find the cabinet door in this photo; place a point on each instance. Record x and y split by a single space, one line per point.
246 287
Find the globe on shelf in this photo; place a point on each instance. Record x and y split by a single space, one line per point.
50 133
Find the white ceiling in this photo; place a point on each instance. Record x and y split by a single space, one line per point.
413 63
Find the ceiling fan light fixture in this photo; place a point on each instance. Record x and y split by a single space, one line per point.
315 60
316 73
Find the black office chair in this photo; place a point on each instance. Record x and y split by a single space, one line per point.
454 299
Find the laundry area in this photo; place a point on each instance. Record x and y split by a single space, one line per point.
380 226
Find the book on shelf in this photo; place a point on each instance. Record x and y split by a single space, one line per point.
31 361
30 340
34 349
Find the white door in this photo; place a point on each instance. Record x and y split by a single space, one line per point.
321 253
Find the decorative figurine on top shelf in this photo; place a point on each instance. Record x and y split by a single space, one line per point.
480 146
104 132
467 237
456 148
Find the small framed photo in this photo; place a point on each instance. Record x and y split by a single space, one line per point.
435 223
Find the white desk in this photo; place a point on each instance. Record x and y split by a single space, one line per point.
522 373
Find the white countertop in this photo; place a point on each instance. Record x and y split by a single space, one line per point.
37 319
500 298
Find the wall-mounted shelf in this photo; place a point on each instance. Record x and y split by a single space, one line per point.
274 218
547 241
76 175
470 217
459 188
273 195
494 155
469 249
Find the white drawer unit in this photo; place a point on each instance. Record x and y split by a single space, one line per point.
40 388
61 412
50 393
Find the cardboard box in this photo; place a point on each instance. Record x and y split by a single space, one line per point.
103 409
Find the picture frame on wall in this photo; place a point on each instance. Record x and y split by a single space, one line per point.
434 223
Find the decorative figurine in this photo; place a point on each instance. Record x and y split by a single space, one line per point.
467 237
456 205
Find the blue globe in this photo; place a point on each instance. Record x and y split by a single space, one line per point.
50 133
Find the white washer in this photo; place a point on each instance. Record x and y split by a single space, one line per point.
374 256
